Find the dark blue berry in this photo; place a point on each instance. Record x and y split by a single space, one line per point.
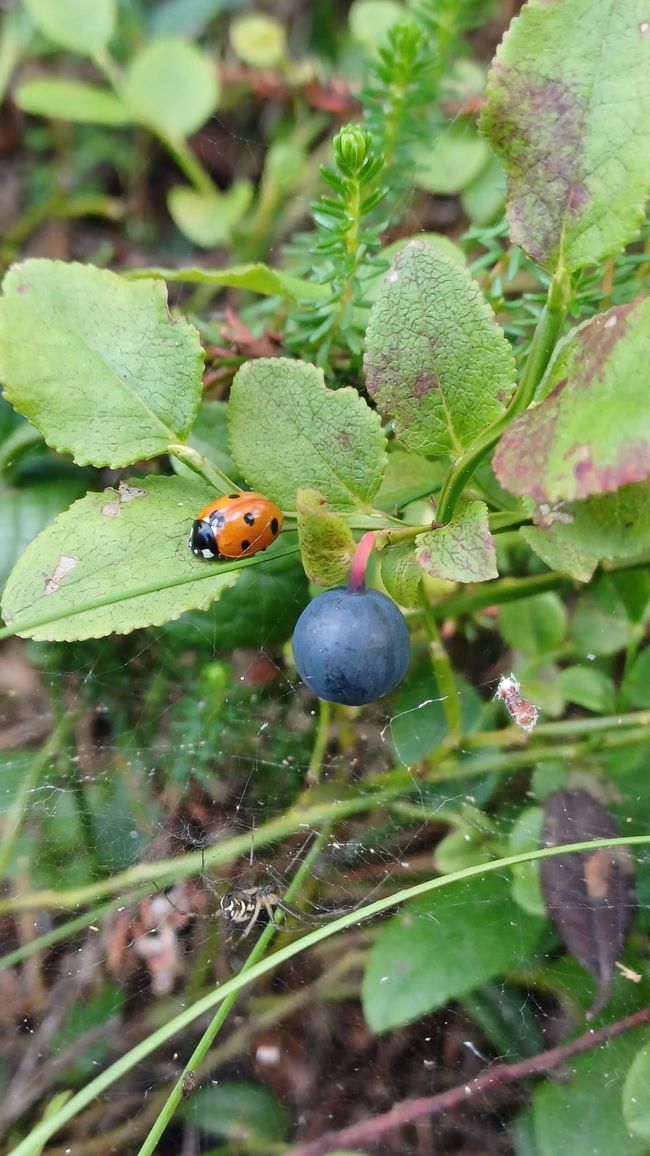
351 646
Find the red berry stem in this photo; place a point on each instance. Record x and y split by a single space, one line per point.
357 579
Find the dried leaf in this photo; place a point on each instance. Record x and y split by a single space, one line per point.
590 896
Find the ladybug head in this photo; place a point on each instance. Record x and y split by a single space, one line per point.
202 541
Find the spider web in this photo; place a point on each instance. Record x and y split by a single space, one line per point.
167 749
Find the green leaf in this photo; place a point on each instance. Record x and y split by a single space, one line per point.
590 433
256 278
453 160
326 542
636 1106
371 20
461 551
186 18
258 40
559 552
288 430
172 87
483 200
71 100
567 111
401 574
636 684
26 510
584 1115
246 1114
588 687
83 26
97 363
114 562
600 624
262 609
436 360
419 723
535 626
408 477
209 218
444 945
526 836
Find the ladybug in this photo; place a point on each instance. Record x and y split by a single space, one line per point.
235 526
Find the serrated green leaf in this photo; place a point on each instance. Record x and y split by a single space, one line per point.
172 87
614 526
97 363
326 542
209 218
436 361
83 26
636 1105
114 562
568 113
441 946
584 1115
256 278
26 510
590 433
401 574
558 554
461 551
71 100
288 430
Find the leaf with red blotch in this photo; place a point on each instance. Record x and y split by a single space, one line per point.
590 433
589 895
566 111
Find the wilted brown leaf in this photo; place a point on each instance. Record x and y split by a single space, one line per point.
590 896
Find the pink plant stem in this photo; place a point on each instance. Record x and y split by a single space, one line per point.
369 1133
357 579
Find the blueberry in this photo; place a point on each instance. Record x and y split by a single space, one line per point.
351 646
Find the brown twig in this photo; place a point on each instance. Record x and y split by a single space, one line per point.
370 1132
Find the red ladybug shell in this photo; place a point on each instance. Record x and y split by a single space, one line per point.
239 525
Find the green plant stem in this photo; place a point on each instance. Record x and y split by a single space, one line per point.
443 673
497 593
70 927
177 147
189 164
320 742
218 856
33 1144
258 952
543 343
16 813
204 468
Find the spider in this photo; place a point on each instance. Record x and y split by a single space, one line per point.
244 905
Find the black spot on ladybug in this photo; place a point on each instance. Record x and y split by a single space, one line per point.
274 525
249 519
245 544
233 495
